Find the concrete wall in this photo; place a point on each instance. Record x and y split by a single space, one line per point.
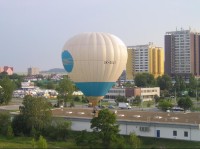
127 127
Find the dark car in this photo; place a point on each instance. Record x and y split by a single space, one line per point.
111 107
102 106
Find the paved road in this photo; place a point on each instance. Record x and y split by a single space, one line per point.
13 105
10 107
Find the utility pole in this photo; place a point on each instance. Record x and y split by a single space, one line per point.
197 90
175 97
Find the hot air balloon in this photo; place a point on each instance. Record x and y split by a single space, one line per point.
94 61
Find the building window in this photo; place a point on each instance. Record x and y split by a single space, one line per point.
185 133
145 129
174 133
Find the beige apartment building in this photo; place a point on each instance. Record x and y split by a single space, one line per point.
33 71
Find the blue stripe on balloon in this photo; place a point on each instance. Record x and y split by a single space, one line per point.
94 88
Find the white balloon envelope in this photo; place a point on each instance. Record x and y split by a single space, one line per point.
94 61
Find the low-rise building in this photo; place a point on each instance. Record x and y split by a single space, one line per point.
146 94
174 125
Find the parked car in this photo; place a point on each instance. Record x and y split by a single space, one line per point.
111 107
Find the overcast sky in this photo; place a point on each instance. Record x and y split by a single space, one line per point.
33 32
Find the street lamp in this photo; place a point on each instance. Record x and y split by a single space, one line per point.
197 89
175 96
175 93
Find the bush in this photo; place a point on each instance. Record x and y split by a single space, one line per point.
59 130
19 126
149 103
85 139
42 143
9 132
84 99
72 104
165 105
77 99
5 123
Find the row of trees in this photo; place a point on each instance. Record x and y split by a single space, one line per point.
35 120
166 85
183 102
164 82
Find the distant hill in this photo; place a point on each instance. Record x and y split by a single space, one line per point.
54 70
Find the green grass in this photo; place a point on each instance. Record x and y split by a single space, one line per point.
149 143
168 143
25 142
17 142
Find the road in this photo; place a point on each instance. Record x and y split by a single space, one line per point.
13 105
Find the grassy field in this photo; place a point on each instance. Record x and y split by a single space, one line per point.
154 143
148 143
26 142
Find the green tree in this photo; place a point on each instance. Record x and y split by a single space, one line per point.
17 79
182 84
164 82
6 90
192 86
137 100
192 82
177 84
134 141
19 125
144 80
165 105
105 126
185 103
3 75
65 89
121 99
33 143
9 131
5 123
58 130
42 143
128 84
77 98
85 139
140 80
156 98
35 113
50 85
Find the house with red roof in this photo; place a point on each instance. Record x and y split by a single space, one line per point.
7 69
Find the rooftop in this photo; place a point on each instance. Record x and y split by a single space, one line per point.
135 116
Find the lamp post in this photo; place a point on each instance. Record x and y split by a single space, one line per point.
175 96
197 89
175 93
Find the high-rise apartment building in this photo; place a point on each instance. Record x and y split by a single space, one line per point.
33 71
145 58
182 53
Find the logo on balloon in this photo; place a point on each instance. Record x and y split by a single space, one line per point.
68 61
109 62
